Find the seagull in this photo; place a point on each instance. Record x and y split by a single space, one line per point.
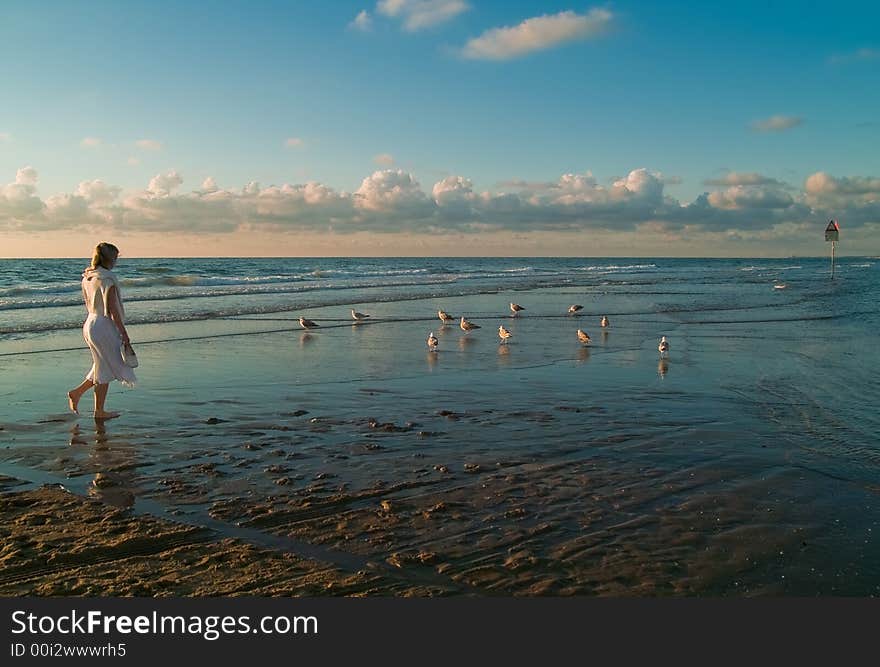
306 324
584 337
604 322
432 341
358 316
515 307
574 309
445 317
468 326
663 346
503 334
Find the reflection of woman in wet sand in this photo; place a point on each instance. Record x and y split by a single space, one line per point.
104 331
113 463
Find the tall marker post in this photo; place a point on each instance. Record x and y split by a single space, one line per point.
832 233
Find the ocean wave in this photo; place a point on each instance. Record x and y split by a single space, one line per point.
616 267
190 280
53 288
242 291
770 267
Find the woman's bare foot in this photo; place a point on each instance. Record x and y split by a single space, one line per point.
104 414
73 402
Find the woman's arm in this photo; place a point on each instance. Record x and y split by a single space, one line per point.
115 315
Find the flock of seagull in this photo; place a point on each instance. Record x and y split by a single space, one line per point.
504 334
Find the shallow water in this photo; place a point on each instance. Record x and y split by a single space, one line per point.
747 463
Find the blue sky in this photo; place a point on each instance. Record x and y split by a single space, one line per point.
673 87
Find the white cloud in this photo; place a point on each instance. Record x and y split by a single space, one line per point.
391 191
98 192
18 200
741 178
853 199
740 197
745 205
4 137
776 123
362 21
822 183
294 142
26 176
420 14
536 34
384 159
148 144
133 161
90 142
162 185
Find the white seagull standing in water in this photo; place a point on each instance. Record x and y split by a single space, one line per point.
468 326
504 334
515 307
573 309
307 324
358 316
663 347
604 322
432 342
584 337
445 317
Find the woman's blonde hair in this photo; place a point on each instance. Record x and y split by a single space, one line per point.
104 253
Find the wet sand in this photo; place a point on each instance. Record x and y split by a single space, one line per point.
57 543
352 461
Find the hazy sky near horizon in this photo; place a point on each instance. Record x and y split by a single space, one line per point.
439 127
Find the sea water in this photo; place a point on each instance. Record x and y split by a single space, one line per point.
747 462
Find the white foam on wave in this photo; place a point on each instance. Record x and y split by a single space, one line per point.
616 267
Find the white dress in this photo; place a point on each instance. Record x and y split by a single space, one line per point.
100 331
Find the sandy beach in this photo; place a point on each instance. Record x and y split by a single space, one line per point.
351 460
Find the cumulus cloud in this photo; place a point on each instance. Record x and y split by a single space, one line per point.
26 176
732 178
384 159
744 197
392 191
536 34
776 123
90 142
148 144
455 197
362 21
18 200
162 185
98 192
294 142
853 199
743 205
822 183
420 14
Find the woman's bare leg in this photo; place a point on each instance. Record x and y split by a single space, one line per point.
100 397
75 394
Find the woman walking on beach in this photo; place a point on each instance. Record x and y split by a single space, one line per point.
104 331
